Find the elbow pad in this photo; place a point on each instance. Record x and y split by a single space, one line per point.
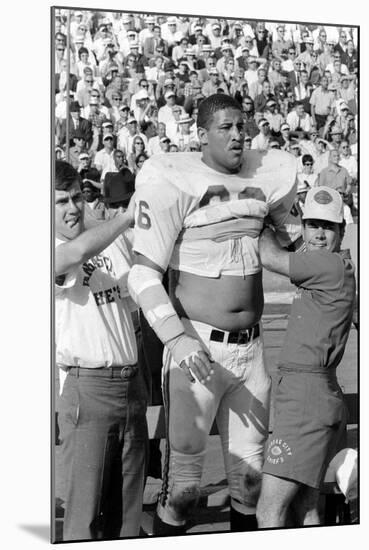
146 288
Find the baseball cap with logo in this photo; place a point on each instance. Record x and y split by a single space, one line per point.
323 203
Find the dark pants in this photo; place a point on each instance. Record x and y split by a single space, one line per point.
103 434
320 121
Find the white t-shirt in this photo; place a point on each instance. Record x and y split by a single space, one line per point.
93 324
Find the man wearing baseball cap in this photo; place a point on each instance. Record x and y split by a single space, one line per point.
309 417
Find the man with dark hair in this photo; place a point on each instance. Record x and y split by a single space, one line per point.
102 402
77 125
309 416
200 214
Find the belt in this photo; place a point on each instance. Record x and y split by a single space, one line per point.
123 372
239 337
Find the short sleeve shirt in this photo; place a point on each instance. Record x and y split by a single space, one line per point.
321 312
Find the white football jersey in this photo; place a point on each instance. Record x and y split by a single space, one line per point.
195 219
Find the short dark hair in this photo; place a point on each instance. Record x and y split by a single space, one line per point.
210 105
65 175
307 158
81 51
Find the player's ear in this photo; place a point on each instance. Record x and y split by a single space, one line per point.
202 135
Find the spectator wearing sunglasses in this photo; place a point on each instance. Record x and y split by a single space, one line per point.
295 75
307 174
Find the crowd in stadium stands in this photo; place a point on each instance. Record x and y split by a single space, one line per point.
136 80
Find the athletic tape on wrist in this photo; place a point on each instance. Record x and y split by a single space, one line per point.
183 349
146 288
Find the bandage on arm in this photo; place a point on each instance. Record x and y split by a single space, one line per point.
146 288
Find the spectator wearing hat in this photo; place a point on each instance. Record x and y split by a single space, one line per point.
274 117
84 163
165 113
281 43
187 132
322 103
262 139
164 143
227 54
298 120
127 24
335 175
284 139
126 135
140 60
305 56
198 28
170 33
126 42
118 190
96 97
121 123
214 84
242 56
142 109
147 31
172 126
76 124
104 159
78 146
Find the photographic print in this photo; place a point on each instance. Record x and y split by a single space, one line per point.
205 305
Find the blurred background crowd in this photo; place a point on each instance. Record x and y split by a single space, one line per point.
128 86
